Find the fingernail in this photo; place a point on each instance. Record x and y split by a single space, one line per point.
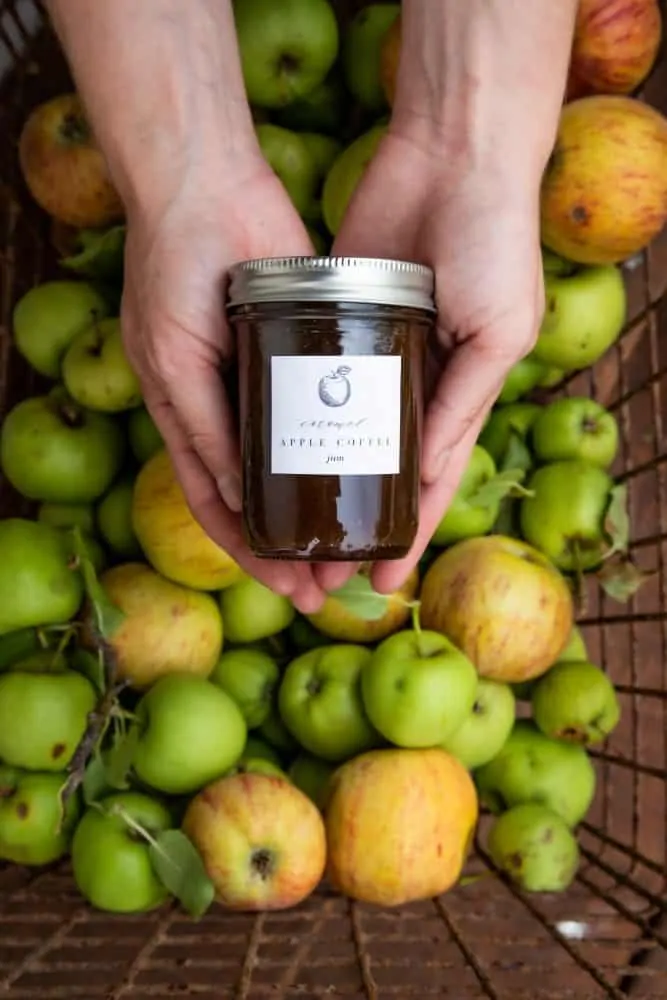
230 491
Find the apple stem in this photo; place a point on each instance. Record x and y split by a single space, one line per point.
71 414
118 810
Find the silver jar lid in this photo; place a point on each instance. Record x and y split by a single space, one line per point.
332 279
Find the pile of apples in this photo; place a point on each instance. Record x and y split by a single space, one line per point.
181 731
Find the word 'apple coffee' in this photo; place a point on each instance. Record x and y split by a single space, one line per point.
331 355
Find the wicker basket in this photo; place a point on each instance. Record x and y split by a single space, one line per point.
606 938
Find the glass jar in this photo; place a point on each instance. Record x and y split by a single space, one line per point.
331 354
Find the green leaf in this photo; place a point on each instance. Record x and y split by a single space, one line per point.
91 665
95 785
120 758
503 484
617 520
177 864
517 454
359 598
108 618
101 253
621 579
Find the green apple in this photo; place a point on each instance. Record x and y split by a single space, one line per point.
320 243
250 678
53 450
43 717
114 519
33 828
258 749
304 636
552 377
323 150
286 48
276 733
44 661
96 371
323 109
312 776
256 765
98 254
145 438
576 702
531 767
575 650
68 515
564 516
190 732
584 315
522 378
320 702
250 611
418 688
111 860
535 848
505 421
361 50
95 552
38 583
49 316
466 516
291 160
484 732
345 174
576 427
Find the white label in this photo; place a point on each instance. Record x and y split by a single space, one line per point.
336 415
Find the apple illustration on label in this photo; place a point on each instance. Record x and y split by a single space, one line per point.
334 389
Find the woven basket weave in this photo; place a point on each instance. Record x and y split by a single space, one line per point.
607 937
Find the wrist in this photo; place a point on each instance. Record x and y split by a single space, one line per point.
471 89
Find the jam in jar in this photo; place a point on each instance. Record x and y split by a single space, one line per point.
331 353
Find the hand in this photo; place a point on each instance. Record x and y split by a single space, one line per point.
177 339
479 230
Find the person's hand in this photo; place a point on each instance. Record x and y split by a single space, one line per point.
175 334
479 231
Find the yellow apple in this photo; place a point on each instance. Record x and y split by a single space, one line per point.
174 542
502 603
167 628
336 621
399 825
261 839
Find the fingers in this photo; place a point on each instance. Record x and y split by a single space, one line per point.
389 576
332 576
465 392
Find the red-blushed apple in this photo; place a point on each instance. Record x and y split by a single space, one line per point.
64 168
262 841
502 603
399 825
604 191
615 46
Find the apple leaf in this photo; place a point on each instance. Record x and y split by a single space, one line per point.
108 618
617 520
91 665
120 757
178 865
517 454
100 254
503 484
95 785
360 599
621 579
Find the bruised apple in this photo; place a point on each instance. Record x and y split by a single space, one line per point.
604 191
167 628
502 603
615 45
172 540
337 621
64 168
261 839
399 824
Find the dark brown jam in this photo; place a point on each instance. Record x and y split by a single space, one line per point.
331 405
